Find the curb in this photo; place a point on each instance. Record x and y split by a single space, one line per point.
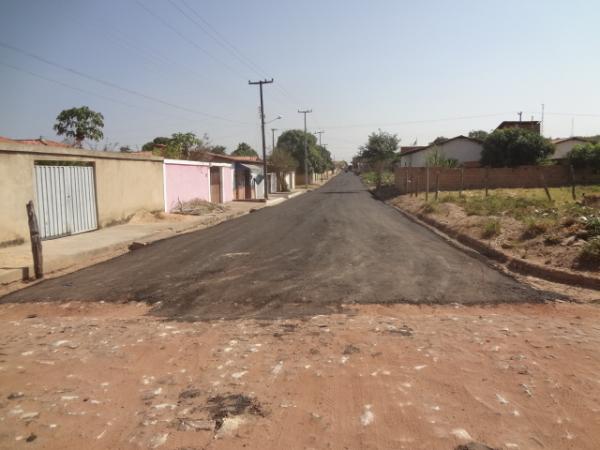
509 262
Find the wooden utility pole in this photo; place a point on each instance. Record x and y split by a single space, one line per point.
36 241
543 180
305 112
427 183
462 181
437 184
572 173
262 126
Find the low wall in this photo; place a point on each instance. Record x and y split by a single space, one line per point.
186 182
407 179
124 184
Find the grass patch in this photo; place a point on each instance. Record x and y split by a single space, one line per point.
429 208
491 228
370 178
534 227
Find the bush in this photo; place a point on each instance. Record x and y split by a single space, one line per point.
534 227
585 155
592 226
590 253
513 147
491 228
428 208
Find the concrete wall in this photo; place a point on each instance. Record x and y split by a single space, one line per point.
408 179
464 150
124 184
228 180
185 182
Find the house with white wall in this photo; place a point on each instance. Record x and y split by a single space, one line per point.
466 150
564 145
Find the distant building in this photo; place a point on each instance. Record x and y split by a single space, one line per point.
531 125
564 145
466 150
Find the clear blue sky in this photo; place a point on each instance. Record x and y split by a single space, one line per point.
359 65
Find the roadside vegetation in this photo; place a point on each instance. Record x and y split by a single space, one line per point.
561 232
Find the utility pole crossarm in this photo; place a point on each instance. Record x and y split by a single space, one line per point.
262 126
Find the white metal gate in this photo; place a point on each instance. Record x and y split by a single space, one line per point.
66 200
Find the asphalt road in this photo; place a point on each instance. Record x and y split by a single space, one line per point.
313 254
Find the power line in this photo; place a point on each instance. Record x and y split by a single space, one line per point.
116 86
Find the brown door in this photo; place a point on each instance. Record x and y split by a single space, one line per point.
248 185
240 185
215 185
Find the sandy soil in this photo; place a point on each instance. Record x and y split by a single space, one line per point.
561 251
100 375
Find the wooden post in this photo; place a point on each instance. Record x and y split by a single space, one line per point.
543 180
427 183
572 172
462 181
36 241
417 185
437 184
487 179
406 181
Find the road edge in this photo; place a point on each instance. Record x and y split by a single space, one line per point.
507 262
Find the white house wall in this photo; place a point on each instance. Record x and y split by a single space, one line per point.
463 150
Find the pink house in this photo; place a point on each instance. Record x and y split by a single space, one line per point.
187 180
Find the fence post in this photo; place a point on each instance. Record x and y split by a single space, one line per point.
572 172
437 184
36 241
427 183
487 179
417 185
543 180
406 180
462 181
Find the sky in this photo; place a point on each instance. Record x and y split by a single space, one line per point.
418 69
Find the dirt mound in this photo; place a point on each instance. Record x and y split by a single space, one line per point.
222 407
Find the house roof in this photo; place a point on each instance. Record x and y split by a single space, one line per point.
572 138
518 124
231 158
39 141
411 148
416 149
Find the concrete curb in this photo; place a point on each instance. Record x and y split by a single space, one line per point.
509 262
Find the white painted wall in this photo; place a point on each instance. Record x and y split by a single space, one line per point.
562 148
464 150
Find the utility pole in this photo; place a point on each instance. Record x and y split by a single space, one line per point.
520 113
542 127
273 130
305 112
319 133
262 126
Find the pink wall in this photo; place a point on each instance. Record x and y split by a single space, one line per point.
185 182
228 186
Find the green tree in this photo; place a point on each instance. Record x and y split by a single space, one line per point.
439 140
379 152
244 149
585 155
282 162
150 146
218 149
80 124
181 146
293 142
478 134
512 147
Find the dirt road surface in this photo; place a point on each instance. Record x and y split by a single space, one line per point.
328 322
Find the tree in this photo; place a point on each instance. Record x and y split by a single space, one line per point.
439 140
478 134
512 147
585 155
150 146
293 142
80 124
244 149
436 158
379 152
218 149
181 146
282 162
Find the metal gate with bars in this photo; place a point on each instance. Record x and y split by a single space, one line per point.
65 199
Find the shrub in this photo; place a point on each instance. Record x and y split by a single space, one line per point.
585 155
512 147
592 226
590 253
428 208
534 227
491 228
